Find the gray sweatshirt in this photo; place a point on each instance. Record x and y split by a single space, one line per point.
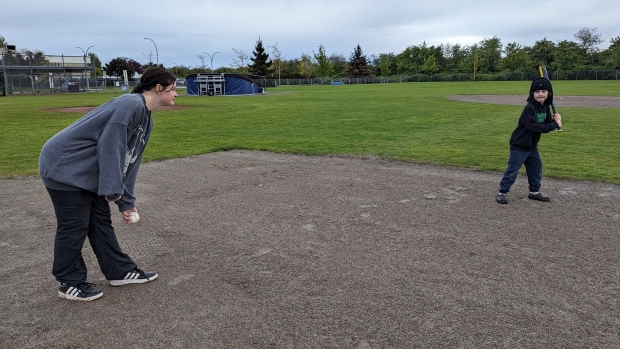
101 151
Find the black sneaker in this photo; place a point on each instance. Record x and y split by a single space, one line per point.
501 198
539 197
82 292
135 276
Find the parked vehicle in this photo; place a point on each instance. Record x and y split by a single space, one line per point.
69 86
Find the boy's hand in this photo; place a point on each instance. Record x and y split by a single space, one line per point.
558 118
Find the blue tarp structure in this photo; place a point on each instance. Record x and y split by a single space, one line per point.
223 84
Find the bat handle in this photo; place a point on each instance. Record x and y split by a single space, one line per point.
554 112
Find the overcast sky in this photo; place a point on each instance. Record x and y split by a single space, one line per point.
183 29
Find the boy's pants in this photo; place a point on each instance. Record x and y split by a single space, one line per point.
81 214
533 168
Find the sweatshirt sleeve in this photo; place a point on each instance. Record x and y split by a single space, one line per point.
120 149
111 151
529 120
133 161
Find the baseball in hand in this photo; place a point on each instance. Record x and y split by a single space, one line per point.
135 217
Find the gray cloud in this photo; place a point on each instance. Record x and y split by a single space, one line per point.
183 29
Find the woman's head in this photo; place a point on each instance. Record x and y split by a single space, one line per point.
155 76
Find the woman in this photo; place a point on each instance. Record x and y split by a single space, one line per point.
88 165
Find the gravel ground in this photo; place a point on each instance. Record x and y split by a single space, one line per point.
265 250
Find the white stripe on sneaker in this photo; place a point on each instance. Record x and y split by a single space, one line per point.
135 276
73 291
132 276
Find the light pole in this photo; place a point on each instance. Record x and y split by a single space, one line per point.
4 80
211 57
85 70
156 53
31 76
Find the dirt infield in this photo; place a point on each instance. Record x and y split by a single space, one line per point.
559 101
264 250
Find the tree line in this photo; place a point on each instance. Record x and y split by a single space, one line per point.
489 56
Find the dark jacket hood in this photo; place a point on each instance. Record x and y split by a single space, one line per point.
541 84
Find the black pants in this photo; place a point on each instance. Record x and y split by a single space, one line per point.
81 214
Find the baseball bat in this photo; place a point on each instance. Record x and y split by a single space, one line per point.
543 74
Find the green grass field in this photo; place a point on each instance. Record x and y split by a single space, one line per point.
413 122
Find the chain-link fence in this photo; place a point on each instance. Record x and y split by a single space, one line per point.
48 83
34 74
38 80
443 77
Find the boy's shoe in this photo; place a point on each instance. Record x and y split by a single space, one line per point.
82 292
539 197
501 199
136 276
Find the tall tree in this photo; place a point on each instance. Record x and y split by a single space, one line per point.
469 59
305 66
386 64
489 55
203 60
324 67
455 57
151 65
339 62
430 65
358 64
612 54
566 56
411 59
261 62
516 58
542 52
278 61
419 59
116 66
95 62
239 63
588 39
25 57
290 68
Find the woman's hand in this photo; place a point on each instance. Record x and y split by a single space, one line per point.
127 215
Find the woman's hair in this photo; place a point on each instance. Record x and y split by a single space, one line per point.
153 76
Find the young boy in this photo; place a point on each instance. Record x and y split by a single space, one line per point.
535 119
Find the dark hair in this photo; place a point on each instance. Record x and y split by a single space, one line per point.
153 76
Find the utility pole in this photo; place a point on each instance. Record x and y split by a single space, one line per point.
4 51
4 81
